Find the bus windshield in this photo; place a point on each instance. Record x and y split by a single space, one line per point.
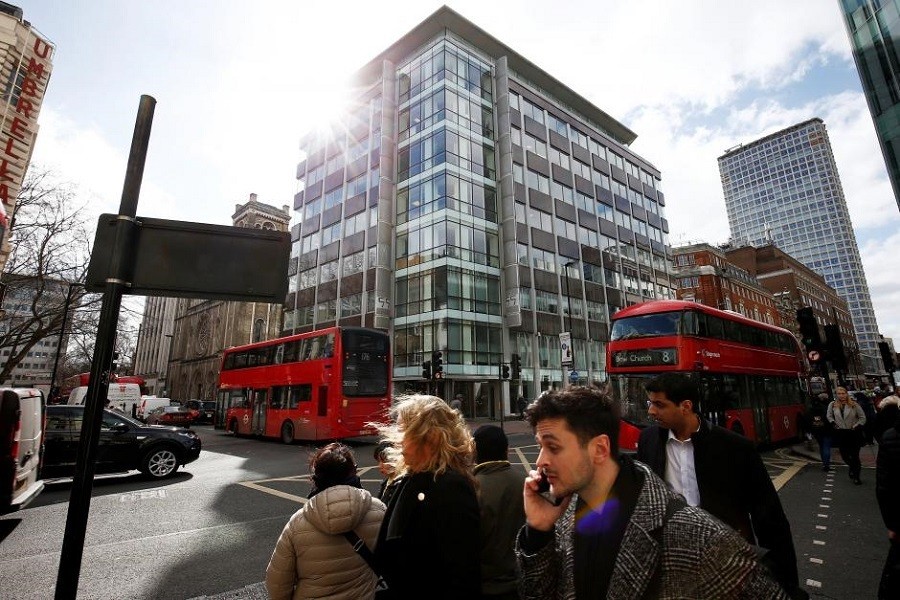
659 324
365 363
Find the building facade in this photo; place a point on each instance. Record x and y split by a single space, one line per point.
784 189
26 60
203 329
796 286
31 305
155 338
873 27
704 274
474 205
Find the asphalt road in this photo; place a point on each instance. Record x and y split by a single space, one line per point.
209 531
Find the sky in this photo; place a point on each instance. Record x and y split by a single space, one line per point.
237 85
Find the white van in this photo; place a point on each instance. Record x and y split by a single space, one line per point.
148 404
21 447
125 397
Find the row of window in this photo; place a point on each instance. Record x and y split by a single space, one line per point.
310 348
445 61
446 104
448 238
446 146
446 190
447 288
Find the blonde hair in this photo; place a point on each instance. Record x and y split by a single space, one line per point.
429 422
850 399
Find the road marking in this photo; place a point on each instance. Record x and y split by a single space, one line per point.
827 498
267 490
821 527
813 583
826 491
829 485
818 542
817 561
782 479
821 516
142 495
824 506
522 459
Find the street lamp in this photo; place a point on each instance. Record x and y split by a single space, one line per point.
566 266
62 330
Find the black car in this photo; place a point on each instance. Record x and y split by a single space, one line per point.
125 444
202 411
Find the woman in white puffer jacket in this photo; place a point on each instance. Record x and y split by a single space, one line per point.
312 558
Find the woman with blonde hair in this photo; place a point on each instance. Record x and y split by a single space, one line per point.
428 544
847 418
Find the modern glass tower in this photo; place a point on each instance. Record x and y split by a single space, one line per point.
873 25
472 204
784 188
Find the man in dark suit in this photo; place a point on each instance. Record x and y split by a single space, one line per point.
717 470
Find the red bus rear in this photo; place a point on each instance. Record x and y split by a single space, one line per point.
750 374
323 385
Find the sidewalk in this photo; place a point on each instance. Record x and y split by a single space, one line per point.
511 425
810 450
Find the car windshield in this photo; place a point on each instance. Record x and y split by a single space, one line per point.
209 406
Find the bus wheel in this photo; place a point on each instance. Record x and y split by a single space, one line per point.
233 428
287 433
738 428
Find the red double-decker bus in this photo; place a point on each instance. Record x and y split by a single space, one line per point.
323 385
751 375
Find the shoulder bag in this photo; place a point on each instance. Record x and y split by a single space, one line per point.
381 588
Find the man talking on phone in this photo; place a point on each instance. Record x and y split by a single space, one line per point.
609 527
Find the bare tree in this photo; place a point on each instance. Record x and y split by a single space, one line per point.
49 251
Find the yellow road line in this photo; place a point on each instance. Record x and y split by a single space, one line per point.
782 479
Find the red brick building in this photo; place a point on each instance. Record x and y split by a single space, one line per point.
795 286
704 274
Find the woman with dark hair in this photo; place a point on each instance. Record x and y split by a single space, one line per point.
313 558
429 545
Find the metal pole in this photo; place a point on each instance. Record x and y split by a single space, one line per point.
569 326
62 331
120 271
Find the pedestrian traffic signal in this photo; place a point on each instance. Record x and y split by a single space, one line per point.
426 369
437 364
887 357
504 371
809 329
515 363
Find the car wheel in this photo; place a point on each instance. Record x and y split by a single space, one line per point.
233 428
287 433
160 463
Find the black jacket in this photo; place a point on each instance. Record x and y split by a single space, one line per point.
887 477
735 487
429 544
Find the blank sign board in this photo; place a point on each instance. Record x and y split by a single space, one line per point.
193 260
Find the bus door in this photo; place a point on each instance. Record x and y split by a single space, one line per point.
323 427
258 419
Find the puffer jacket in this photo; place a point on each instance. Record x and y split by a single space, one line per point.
313 559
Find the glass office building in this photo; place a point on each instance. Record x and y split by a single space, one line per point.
872 26
471 204
785 189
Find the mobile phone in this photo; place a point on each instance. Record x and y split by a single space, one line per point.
544 489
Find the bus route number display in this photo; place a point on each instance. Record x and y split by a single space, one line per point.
645 358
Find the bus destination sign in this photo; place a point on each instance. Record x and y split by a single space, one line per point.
649 357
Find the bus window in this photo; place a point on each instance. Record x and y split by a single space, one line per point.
297 394
646 326
691 323
715 326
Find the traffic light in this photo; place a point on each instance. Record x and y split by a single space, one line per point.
834 347
426 369
887 357
437 364
515 363
809 329
504 371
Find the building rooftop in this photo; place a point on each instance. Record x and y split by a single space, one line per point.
742 147
446 18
